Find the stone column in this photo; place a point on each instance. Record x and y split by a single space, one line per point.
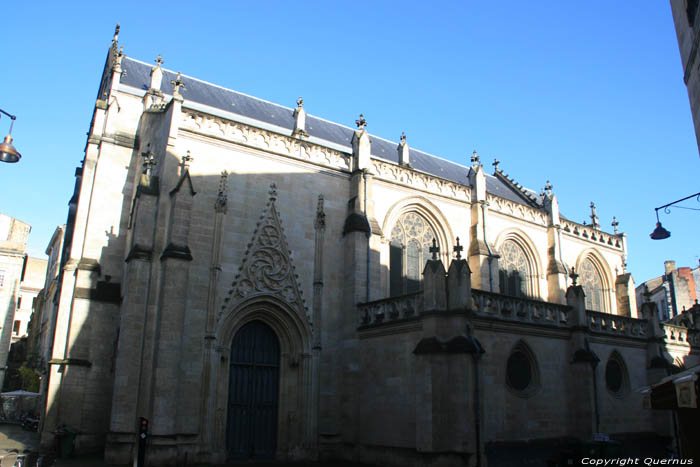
556 272
459 284
626 296
481 258
581 381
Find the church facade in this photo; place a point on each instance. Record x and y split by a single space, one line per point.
259 283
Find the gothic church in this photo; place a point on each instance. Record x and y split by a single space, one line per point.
260 283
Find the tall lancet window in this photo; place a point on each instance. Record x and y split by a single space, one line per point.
514 270
411 239
592 284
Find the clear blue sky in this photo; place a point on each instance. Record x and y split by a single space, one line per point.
589 95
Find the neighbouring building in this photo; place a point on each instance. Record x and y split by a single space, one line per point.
260 283
13 258
675 291
685 18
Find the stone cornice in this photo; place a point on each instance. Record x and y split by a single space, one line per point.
268 141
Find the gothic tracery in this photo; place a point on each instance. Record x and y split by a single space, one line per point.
411 239
592 284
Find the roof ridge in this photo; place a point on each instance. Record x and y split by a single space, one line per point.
517 187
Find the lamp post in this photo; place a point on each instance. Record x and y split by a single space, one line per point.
659 232
8 153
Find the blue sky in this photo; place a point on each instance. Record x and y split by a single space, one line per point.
589 95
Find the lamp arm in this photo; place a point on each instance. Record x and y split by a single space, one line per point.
13 117
677 201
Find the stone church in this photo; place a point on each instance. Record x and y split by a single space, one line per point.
260 283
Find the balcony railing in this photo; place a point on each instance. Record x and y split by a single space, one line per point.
520 309
391 309
617 325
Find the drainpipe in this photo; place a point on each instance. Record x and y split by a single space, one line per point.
365 176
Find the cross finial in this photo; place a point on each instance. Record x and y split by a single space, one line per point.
548 188
159 60
615 224
300 102
361 122
573 276
434 250
594 216
148 161
475 158
458 249
495 164
403 137
186 159
177 84
116 34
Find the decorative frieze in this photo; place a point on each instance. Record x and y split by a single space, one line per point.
265 140
520 211
421 181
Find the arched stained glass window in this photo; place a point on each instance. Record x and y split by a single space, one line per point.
411 238
592 285
514 270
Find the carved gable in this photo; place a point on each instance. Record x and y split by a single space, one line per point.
266 268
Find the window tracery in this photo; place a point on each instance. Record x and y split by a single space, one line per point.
411 239
592 284
514 270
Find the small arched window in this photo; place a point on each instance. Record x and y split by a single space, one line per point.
411 239
592 284
616 378
514 270
522 373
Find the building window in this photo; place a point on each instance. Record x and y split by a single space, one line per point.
616 379
15 327
522 375
411 239
514 274
691 11
592 284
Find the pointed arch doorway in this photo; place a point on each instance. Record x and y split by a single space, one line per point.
253 393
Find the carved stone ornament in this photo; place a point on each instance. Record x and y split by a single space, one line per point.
266 268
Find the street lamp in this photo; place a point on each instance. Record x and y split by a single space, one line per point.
8 153
659 232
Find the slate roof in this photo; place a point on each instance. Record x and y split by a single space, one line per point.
137 74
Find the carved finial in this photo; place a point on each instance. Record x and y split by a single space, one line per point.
402 138
458 249
121 50
159 60
177 84
116 35
475 158
186 159
273 191
573 276
434 250
548 188
148 161
300 102
594 216
614 225
320 215
221 198
361 122
495 164
646 294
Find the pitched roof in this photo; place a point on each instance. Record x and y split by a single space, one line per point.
137 74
